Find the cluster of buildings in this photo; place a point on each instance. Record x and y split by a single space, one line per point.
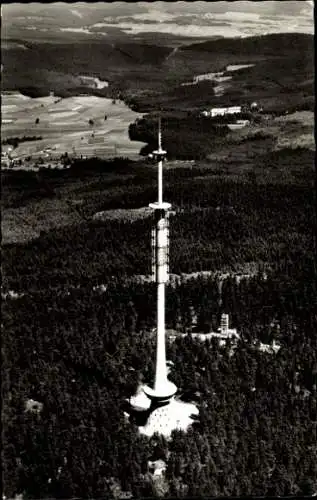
6 157
32 160
230 110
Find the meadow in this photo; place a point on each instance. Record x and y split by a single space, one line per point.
76 125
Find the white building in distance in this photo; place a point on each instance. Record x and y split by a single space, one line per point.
231 110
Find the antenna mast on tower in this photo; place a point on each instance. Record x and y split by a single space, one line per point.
160 153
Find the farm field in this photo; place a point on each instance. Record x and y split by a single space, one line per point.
64 126
291 130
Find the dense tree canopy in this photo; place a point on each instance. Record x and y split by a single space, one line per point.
188 137
81 353
219 224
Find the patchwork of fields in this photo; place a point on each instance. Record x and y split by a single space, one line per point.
75 124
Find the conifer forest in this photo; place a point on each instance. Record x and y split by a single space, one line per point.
81 349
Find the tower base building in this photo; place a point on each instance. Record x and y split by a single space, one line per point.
162 417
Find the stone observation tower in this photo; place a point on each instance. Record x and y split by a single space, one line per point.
163 411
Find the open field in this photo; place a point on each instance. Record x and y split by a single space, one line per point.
292 130
123 214
296 130
64 125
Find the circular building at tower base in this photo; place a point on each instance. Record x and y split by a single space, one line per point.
161 394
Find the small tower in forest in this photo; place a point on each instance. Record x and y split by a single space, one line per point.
224 324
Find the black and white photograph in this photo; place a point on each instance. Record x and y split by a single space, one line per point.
159 264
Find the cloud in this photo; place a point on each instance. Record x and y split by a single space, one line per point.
194 19
227 24
76 13
197 30
204 19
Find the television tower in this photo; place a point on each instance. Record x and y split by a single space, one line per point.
163 389
161 410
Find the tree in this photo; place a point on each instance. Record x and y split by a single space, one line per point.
308 487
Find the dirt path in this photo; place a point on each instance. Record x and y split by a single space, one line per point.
171 54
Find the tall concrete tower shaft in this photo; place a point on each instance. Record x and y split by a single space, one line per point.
163 389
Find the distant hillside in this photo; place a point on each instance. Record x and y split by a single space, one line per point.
281 77
90 57
34 63
266 45
149 75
